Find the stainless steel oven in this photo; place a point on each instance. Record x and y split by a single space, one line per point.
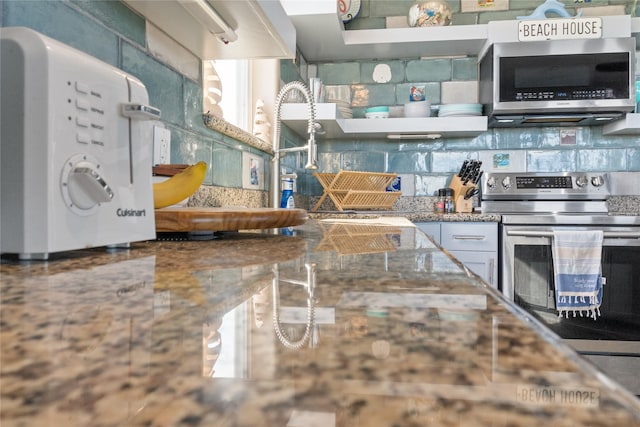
533 206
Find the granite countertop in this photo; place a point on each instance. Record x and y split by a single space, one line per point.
326 324
413 216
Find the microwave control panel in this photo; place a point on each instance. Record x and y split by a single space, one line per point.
559 95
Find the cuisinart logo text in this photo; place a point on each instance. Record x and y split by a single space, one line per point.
131 212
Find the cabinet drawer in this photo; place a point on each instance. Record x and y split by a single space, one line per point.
469 236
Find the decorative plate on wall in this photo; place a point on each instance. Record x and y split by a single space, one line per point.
348 9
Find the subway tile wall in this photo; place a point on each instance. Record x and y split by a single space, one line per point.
425 166
110 31
113 33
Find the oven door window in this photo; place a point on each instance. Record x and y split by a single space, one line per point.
620 310
533 276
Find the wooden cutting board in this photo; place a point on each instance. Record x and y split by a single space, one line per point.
226 219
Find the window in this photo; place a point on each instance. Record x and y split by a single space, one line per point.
235 86
226 82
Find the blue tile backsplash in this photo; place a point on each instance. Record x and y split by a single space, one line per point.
113 33
431 164
110 31
117 16
430 70
67 23
464 69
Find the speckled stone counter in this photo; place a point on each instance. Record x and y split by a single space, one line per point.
413 216
326 324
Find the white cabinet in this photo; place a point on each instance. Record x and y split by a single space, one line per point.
250 28
475 244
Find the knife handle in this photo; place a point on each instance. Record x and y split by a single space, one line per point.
463 168
477 180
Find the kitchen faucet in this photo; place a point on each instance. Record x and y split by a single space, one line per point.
312 128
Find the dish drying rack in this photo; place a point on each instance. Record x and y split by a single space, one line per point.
357 190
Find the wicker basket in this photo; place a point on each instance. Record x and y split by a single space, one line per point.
357 190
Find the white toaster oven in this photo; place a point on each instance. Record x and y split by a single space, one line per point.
76 150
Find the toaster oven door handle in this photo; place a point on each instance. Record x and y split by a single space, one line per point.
606 234
140 111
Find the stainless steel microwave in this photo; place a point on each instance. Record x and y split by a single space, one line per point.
579 82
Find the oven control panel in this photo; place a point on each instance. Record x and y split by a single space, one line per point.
550 185
544 182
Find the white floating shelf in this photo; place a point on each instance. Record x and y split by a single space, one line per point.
295 116
336 43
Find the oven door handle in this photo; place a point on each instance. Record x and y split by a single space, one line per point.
606 234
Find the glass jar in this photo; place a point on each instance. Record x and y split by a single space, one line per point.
449 205
439 206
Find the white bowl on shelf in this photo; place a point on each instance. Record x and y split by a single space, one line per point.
417 109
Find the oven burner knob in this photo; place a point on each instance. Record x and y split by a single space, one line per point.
582 181
597 181
506 182
491 182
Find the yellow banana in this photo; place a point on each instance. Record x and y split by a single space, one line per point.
179 186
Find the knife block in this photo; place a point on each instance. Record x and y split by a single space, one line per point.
459 191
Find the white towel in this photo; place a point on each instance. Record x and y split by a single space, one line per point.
576 264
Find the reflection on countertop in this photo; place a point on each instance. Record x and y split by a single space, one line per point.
329 325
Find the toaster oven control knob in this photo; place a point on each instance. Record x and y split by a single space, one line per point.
83 186
87 187
597 181
582 181
506 182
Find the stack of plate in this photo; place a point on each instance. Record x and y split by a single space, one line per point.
453 110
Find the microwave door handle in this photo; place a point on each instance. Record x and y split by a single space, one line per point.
606 234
